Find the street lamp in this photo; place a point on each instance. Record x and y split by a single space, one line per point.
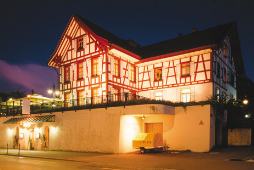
50 91
54 93
247 116
57 92
245 101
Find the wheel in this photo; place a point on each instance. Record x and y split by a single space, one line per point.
142 150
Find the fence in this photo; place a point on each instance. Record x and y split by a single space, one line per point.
116 99
104 101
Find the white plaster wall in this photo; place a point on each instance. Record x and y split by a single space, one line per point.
96 130
199 92
112 130
188 129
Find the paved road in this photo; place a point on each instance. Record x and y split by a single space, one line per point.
174 161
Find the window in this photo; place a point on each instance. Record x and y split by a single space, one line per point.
116 95
132 73
157 74
67 99
95 66
67 73
218 70
95 96
185 95
185 69
158 95
80 98
80 70
116 70
80 44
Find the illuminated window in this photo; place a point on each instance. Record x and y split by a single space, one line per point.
116 70
185 69
95 96
185 95
67 73
132 73
95 66
80 97
116 95
158 95
67 99
157 74
80 44
80 70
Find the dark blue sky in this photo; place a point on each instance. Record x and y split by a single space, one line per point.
30 29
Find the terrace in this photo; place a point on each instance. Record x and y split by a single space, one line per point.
50 105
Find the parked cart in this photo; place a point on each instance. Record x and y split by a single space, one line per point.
145 142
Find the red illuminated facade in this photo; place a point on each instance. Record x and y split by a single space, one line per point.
96 65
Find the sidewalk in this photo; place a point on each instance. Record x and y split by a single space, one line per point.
235 153
57 155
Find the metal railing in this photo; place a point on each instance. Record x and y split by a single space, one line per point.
104 101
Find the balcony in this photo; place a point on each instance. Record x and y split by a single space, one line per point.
104 101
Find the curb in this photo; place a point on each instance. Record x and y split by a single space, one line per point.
36 157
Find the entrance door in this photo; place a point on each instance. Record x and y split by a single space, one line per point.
157 130
46 138
16 139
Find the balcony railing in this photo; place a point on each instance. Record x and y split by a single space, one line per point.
104 101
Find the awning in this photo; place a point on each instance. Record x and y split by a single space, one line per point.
35 119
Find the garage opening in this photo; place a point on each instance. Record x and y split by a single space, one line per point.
157 130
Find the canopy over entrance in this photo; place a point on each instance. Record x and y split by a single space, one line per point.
35 119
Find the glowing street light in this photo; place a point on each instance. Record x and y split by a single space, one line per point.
247 116
57 92
245 101
53 92
50 91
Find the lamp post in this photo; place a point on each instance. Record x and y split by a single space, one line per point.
54 92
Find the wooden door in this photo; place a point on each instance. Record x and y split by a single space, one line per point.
46 137
157 130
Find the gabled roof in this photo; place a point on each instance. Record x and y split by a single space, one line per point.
195 39
126 44
210 36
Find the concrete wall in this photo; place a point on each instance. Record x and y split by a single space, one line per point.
239 137
113 129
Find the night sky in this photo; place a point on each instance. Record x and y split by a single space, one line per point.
30 29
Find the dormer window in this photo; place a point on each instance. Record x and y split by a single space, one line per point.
80 44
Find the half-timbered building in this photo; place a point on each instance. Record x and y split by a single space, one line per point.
113 89
97 66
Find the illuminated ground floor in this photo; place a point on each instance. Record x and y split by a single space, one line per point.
112 130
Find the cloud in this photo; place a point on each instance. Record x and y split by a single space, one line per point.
29 76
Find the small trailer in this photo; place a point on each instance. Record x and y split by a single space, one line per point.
146 142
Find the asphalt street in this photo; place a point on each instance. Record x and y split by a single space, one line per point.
229 159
